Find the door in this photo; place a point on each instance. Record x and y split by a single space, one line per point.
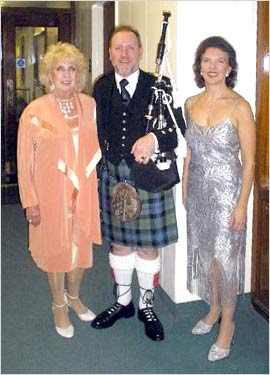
26 33
260 248
109 24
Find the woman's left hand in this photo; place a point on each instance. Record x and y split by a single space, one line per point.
238 219
33 215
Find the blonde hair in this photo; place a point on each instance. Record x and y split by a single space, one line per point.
70 54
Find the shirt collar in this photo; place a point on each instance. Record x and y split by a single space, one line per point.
132 81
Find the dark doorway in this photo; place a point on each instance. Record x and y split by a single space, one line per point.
26 33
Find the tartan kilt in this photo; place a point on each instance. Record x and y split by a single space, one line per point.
155 227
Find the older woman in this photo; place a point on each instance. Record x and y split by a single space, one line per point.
57 154
216 188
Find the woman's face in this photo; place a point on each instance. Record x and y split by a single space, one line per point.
214 65
64 78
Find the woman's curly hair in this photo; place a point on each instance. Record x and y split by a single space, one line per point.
70 54
221 43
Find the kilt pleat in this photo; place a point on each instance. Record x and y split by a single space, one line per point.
155 227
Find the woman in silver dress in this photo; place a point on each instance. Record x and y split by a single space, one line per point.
216 188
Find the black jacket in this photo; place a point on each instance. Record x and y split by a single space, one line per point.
119 128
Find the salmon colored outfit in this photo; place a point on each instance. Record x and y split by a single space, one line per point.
56 171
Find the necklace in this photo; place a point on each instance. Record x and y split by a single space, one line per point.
67 106
210 106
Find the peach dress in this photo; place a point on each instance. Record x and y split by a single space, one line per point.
60 176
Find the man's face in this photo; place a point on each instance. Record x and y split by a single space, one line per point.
125 53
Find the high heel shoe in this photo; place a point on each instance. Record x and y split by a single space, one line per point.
67 332
217 353
87 316
202 328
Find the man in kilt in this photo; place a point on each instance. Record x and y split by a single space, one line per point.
121 128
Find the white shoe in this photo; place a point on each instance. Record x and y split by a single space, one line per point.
216 353
201 328
87 316
67 332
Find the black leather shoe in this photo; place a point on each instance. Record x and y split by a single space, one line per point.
108 317
152 325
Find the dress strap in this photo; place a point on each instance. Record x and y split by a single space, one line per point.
233 107
190 109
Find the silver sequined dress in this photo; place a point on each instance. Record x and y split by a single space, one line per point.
215 253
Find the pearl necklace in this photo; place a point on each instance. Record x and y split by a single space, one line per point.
66 106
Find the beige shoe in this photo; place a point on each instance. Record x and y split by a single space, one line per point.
87 316
67 332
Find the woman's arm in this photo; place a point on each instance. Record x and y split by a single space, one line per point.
247 135
185 176
25 162
186 159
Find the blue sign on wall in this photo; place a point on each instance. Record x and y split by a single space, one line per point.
20 63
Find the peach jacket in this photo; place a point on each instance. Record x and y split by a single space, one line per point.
51 176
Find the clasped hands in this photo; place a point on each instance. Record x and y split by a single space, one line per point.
144 148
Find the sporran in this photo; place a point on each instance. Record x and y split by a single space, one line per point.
125 202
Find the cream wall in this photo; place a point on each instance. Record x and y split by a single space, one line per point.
191 22
147 17
83 32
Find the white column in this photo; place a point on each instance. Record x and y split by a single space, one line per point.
97 41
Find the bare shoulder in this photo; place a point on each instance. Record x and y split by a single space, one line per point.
189 101
242 105
242 114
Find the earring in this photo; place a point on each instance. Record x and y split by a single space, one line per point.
227 74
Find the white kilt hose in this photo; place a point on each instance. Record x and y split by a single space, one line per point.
155 227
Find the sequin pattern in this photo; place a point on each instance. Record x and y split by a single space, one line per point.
215 253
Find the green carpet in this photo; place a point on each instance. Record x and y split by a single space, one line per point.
30 344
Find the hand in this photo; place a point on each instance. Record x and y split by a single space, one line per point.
143 149
238 219
33 215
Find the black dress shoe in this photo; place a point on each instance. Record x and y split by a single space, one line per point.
108 317
152 325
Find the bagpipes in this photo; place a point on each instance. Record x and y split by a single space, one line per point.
161 172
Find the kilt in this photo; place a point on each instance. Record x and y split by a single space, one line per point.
155 227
